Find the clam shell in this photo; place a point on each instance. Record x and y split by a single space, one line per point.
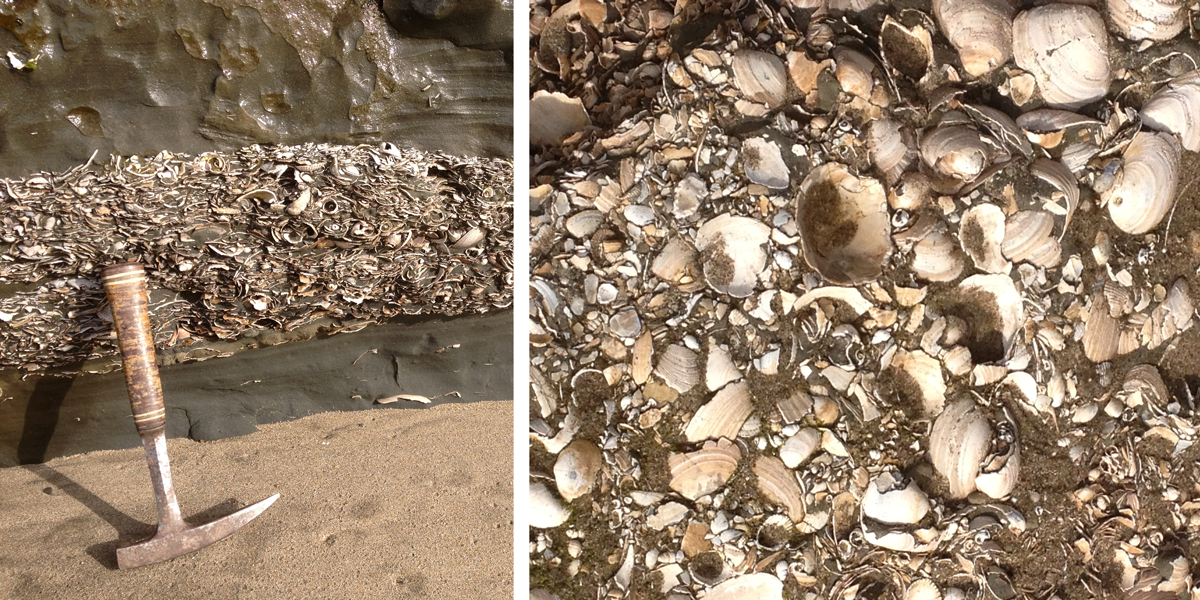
1179 305
854 71
1144 189
677 259
1175 108
733 254
845 230
923 589
958 443
1065 48
760 76
956 151
576 468
795 406
583 224
1025 233
981 31
756 586
626 323
981 234
1001 126
996 308
1001 483
917 372
704 471
679 367
719 368
545 510
723 416
911 192
778 484
1101 334
800 447
891 499
892 148
937 257
906 50
1138 20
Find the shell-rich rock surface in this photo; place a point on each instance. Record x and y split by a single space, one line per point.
943 348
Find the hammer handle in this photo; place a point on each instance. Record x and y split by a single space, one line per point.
126 287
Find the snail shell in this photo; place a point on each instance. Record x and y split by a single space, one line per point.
1144 189
981 31
1065 48
1176 109
1138 20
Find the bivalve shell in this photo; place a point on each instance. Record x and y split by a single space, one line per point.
1175 108
576 468
892 148
1025 233
733 254
1158 20
760 76
679 368
1065 48
995 312
937 257
891 498
958 443
844 226
545 510
779 485
981 31
704 471
756 586
956 151
920 375
800 447
722 416
981 233
719 368
1144 189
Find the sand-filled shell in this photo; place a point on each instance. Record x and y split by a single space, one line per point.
844 226
956 151
911 192
733 254
1138 20
918 377
778 484
937 256
764 164
721 417
1065 48
981 31
576 468
981 234
906 50
704 471
1144 189
963 445
545 510
1175 108
760 76
892 147
892 498
992 307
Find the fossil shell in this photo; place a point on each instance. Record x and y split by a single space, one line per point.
892 147
1138 20
956 151
732 252
1175 108
891 498
778 484
679 368
722 416
1025 233
545 510
844 226
937 257
576 468
981 31
917 372
958 443
719 368
760 76
1144 189
800 447
1065 48
704 471
981 233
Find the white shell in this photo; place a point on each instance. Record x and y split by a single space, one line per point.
911 192
677 259
925 372
1144 189
981 234
576 468
679 368
719 368
1065 48
1157 20
844 225
704 471
958 443
722 416
732 253
778 484
981 31
545 510
937 257
1175 108
892 148
889 500
554 116
956 151
760 76
1025 233
854 71
800 447
757 586
922 589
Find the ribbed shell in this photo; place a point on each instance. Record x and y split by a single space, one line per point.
981 31
1144 189
1157 20
1175 108
1065 48
722 416
704 471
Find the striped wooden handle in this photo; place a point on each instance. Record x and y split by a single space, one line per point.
126 288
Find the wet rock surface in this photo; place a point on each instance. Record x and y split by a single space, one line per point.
190 76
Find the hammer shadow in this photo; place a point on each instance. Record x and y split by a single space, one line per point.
42 414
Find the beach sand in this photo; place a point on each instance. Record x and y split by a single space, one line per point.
374 504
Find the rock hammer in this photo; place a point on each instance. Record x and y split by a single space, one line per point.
125 285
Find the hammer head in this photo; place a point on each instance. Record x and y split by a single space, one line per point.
173 541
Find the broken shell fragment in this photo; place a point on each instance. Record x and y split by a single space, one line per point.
892 148
956 151
545 510
1137 20
764 164
918 378
679 367
844 226
719 368
1144 189
1025 234
723 416
1065 48
760 76
733 254
576 468
554 116
981 233
704 471
981 31
892 498
800 447
1175 108
993 308
854 71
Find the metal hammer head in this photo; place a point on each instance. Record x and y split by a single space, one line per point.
171 542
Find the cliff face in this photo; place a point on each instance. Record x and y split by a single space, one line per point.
140 76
